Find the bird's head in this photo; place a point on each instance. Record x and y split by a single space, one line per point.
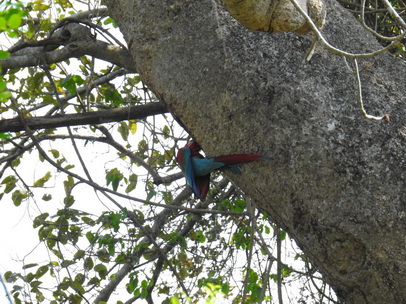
194 147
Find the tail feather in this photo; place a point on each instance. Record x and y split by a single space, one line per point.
233 159
202 184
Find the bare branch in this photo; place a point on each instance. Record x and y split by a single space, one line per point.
371 30
89 118
251 212
98 49
110 140
360 101
394 14
97 12
77 41
337 51
279 263
85 89
106 292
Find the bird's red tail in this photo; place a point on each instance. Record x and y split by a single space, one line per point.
233 159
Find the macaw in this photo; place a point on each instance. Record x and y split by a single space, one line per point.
197 168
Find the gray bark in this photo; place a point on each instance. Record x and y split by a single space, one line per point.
337 181
76 41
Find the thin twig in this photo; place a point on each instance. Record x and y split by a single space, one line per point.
279 263
337 51
394 13
360 102
251 212
152 241
371 30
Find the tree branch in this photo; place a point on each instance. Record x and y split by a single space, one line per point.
99 117
98 49
149 238
336 51
76 40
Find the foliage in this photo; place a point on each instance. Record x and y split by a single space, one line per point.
110 206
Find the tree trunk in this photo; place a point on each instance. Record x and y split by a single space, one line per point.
337 181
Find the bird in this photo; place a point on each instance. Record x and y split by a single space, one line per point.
196 168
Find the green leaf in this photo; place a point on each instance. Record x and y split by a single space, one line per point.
115 220
166 131
69 84
91 237
75 299
111 21
175 300
123 130
41 158
80 277
35 284
14 21
18 196
48 99
286 272
8 179
132 285
68 167
4 96
282 234
39 6
267 229
41 271
29 277
39 296
11 277
114 177
69 201
40 219
144 293
68 184
101 270
4 54
9 187
121 258
47 197
133 179
51 242
79 254
3 24
94 281
5 135
88 263
113 97
133 126
55 153
30 265
78 80
10 182
79 288
239 205
88 220
41 182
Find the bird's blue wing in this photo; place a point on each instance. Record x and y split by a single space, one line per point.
204 166
189 171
